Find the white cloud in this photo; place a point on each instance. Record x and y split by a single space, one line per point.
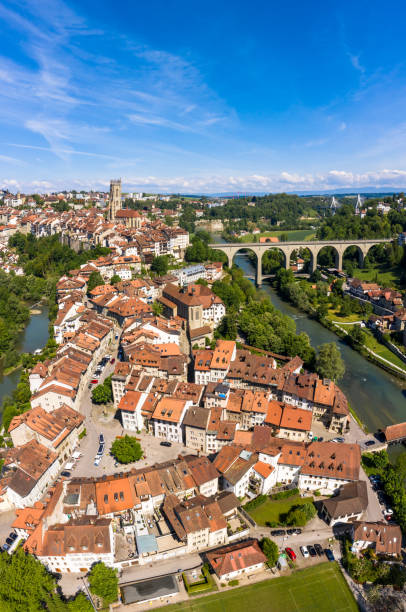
214 183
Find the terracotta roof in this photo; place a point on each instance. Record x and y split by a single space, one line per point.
235 557
387 538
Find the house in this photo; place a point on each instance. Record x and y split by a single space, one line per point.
58 430
198 522
29 470
167 418
130 407
74 546
348 505
384 539
328 465
395 433
235 560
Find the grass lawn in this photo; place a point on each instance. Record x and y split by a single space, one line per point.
292 235
321 587
380 349
271 510
387 277
334 315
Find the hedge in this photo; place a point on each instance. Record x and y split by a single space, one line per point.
205 584
284 494
254 503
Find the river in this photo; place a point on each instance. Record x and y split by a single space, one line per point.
33 337
378 398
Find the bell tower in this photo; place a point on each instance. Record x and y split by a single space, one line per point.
115 198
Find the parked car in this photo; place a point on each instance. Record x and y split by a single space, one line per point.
101 439
65 473
338 440
291 553
13 536
112 360
5 547
9 541
305 552
298 531
369 442
329 554
97 460
312 551
101 449
291 531
165 443
319 550
278 532
94 381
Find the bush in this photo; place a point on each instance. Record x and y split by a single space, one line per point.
205 584
283 494
233 583
255 503
82 434
270 550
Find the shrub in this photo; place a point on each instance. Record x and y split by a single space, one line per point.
233 583
82 434
255 503
283 494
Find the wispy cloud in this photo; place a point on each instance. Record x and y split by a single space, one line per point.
355 61
55 93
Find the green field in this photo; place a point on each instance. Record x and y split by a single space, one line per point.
270 510
322 588
382 275
292 235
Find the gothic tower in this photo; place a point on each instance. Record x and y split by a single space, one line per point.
115 198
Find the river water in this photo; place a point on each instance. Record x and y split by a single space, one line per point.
378 398
33 337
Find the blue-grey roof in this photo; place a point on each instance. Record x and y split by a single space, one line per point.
146 543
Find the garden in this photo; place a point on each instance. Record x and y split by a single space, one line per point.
285 508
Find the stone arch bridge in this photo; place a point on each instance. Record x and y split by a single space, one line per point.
287 248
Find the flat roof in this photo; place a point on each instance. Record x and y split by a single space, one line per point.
146 590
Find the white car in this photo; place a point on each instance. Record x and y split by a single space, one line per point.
97 460
305 552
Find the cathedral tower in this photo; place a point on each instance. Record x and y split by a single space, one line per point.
115 198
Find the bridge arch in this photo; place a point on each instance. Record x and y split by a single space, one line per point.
302 260
329 256
245 250
354 254
274 254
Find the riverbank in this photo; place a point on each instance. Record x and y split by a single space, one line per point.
377 398
34 336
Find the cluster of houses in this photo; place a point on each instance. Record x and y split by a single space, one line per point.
246 419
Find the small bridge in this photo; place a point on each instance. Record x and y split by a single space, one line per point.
287 248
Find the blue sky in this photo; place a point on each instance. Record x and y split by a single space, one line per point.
202 97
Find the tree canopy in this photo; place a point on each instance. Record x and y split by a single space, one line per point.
160 265
270 550
95 280
103 394
126 449
329 363
26 585
103 582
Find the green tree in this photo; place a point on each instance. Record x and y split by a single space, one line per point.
95 280
157 308
270 550
18 593
127 449
103 582
329 363
160 265
115 279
